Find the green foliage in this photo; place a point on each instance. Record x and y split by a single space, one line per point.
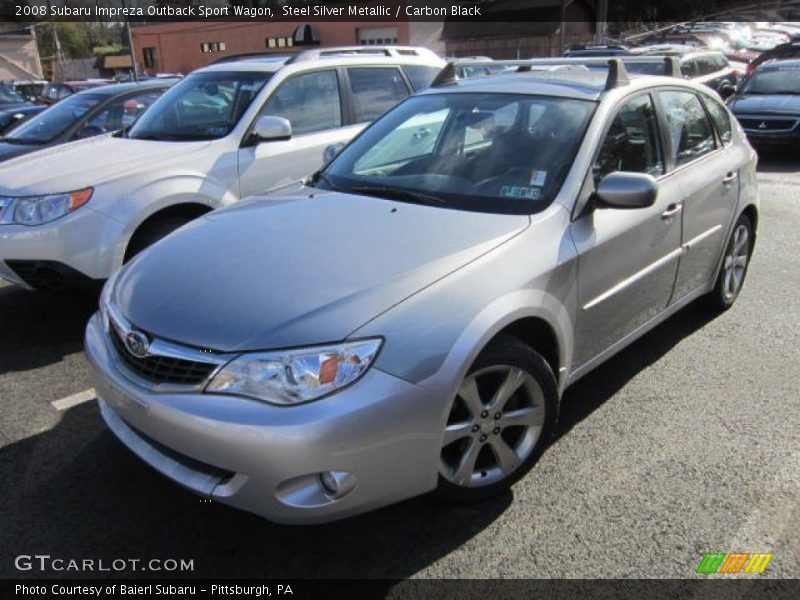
72 37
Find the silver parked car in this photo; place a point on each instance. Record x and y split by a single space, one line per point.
408 319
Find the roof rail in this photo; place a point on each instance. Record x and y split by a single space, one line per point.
276 56
315 53
617 75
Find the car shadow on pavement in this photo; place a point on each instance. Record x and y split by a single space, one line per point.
75 492
38 329
589 393
771 160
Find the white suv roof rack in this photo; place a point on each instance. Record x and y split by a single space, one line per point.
617 75
340 51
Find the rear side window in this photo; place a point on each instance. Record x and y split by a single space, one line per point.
690 132
632 142
375 90
421 76
722 120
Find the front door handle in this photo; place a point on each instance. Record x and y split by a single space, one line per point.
672 210
731 176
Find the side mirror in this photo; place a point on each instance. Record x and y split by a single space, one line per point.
726 90
626 190
272 129
331 152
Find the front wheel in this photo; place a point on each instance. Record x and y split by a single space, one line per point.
734 265
498 423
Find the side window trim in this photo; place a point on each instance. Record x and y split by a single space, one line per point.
671 167
587 187
617 108
705 99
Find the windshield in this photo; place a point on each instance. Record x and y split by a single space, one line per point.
503 153
52 122
203 106
9 94
773 81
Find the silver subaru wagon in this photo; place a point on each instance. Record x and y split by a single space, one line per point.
408 318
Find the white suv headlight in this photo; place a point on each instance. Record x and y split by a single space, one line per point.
296 376
35 210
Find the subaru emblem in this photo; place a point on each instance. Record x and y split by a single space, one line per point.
137 343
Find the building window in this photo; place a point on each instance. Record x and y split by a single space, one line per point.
280 42
372 36
213 47
149 57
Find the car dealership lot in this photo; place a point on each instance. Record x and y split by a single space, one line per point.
683 444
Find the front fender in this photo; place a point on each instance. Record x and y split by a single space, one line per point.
135 207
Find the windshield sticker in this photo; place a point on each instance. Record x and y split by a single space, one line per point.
538 177
519 191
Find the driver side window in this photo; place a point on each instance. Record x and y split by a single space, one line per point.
632 142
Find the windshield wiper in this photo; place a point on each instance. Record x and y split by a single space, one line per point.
398 194
324 177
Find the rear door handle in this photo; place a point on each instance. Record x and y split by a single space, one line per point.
731 176
672 210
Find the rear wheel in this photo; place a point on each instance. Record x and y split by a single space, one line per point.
499 421
734 265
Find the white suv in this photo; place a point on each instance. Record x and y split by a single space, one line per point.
71 215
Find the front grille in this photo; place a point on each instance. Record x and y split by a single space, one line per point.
162 369
769 124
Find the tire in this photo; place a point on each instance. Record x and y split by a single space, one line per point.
150 233
483 454
735 262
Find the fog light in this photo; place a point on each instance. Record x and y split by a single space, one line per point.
329 483
336 483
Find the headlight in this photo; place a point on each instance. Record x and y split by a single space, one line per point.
35 210
296 376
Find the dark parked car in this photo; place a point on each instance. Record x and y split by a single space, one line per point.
10 118
85 114
788 50
12 104
767 104
53 92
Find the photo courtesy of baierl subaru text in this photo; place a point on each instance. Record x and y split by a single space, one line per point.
400 299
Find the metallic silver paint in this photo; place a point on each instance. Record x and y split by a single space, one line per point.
437 284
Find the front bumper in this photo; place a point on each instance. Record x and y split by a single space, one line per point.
384 432
81 244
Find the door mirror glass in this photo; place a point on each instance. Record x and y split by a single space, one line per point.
272 129
626 190
331 152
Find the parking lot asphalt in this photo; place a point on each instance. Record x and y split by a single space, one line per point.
685 443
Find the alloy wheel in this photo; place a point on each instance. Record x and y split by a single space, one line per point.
493 426
735 262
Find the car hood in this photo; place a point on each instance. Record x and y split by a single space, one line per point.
758 103
274 273
85 163
9 151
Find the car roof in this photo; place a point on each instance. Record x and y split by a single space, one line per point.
115 89
790 63
580 85
335 55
